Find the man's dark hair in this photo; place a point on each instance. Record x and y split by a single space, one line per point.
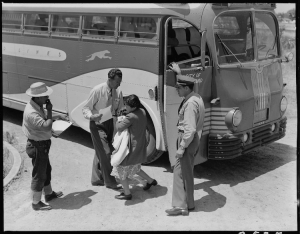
133 101
191 86
113 72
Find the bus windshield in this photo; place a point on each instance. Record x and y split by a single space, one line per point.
234 36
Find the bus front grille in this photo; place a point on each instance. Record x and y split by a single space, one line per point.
220 148
224 148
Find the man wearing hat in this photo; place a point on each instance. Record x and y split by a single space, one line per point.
102 96
191 114
37 127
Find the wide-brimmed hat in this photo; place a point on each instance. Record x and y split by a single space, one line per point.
39 89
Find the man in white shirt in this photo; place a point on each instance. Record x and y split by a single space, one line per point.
102 96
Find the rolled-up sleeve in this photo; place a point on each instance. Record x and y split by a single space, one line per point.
36 121
189 124
88 107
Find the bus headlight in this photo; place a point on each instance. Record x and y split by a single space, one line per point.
283 104
237 118
245 137
233 118
273 127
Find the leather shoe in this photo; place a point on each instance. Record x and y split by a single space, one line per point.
177 211
41 206
98 183
147 186
118 187
193 208
122 196
53 195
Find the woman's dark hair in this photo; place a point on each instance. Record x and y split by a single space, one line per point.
133 101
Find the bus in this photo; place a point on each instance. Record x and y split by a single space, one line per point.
232 50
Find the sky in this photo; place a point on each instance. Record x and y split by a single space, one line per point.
284 7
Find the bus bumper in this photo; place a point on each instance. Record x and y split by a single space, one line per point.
232 146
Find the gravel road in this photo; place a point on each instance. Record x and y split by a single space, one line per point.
255 192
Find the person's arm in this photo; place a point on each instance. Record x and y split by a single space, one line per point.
175 68
88 107
123 124
60 117
189 125
47 125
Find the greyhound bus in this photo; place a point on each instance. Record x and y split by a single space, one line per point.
232 50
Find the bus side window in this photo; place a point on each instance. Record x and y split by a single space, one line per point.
30 20
127 27
42 21
65 23
11 20
36 22
146 27
99 25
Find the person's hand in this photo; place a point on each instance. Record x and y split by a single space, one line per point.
49 105
96 117
64 117
175 68
179 153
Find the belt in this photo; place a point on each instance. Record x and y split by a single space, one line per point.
39 141
44 143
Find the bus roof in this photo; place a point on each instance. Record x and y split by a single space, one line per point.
126 8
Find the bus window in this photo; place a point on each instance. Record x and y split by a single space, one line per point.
138 27
146 27
128 27
98 25
37 22
183 43
266 35
11 20
234 37
65 23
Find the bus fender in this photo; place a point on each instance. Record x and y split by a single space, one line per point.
157 126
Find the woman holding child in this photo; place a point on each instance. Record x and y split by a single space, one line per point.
135 121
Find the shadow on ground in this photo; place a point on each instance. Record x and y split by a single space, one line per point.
73 201
238 170
139 195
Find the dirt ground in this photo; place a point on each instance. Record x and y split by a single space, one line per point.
253 192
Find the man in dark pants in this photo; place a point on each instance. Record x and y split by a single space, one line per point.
191 114
102 96
37 127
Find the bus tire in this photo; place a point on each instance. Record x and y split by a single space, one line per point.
152 152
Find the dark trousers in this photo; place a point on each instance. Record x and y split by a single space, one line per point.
102 140
38 151
183 175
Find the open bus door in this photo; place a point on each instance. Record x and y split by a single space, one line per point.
198 67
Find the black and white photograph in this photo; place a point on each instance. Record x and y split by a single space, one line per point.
150 117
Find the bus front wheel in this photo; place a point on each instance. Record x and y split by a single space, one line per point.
152 152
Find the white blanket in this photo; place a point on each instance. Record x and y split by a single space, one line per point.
121 149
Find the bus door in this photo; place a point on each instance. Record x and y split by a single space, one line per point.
185 45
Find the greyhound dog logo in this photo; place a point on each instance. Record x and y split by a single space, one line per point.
100 55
